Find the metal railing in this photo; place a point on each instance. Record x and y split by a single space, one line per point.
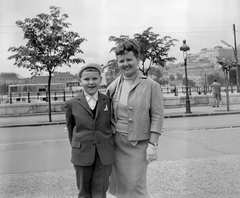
57 96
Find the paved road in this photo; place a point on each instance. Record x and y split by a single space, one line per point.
28 149
198 157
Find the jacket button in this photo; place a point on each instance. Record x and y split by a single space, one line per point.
130 108
94 143
130 120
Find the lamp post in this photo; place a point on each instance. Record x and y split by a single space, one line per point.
185 48
236 58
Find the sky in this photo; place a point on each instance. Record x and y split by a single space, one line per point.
202 23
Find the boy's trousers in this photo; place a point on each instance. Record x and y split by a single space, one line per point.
93 181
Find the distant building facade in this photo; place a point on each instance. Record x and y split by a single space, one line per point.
201 64
11 78
57 77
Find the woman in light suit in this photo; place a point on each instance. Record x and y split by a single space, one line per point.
138 112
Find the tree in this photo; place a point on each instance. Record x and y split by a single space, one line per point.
213 76
226 67
112 69
153 49
172 77
49 45
191 83
3 89
179 76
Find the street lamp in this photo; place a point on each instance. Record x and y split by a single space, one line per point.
236 58
185 48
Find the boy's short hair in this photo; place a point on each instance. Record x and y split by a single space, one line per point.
90 67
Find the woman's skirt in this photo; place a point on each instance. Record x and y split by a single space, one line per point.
128 179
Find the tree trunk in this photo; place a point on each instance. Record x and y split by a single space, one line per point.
227 94
49 97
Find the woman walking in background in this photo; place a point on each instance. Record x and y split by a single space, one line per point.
138 112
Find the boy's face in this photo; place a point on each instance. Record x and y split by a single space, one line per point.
90 81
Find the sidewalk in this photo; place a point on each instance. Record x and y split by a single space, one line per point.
59 118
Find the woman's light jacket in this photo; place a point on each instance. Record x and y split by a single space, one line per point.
145 106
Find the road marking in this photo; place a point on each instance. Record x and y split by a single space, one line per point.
34 142
201 129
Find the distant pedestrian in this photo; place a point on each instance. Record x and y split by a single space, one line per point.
216 92
88 122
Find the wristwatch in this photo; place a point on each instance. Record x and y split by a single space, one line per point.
154 144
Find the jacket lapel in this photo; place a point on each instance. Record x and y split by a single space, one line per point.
137 80
100 104
83 102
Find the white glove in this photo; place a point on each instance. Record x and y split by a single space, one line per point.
151 153
65 130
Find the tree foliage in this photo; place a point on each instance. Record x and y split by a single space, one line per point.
191 83
3 89
49 45
179 76
172 77
226 64
154 49
213 76
112 69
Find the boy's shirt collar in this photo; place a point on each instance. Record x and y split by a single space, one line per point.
88 97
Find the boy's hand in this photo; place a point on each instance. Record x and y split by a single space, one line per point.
151 153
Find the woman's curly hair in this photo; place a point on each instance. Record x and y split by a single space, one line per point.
129 45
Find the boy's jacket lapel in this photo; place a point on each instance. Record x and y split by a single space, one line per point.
101 103
83 102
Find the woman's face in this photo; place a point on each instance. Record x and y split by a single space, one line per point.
128 64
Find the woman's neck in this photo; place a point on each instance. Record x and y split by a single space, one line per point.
132 77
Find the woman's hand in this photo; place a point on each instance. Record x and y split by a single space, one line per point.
151 153
65 130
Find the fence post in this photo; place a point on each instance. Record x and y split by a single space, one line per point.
190 92
72 94
176 91
64 97
10 97
46 96
29 97
55 96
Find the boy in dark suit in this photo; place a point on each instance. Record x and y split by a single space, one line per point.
88 122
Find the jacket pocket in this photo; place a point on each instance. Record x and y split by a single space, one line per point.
76 145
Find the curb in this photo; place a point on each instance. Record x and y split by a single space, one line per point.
200 114
165 117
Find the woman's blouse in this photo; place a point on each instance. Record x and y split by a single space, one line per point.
122 113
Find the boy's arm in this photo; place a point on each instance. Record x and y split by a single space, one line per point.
112 117
70 122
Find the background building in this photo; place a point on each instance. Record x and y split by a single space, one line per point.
204 63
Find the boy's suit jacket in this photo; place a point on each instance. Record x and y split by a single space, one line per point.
87 133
